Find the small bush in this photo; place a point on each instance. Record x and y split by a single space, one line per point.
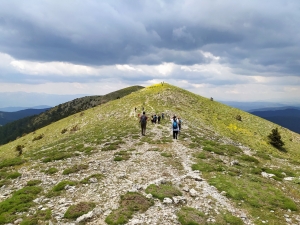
64 130
39 137
75 128
19 149
75 211
275 139
238 117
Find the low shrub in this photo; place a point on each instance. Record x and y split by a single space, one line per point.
61 185
130 203
163 191
75 211
51 171
33 182
75 169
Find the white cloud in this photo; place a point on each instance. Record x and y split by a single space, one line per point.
128 68
57 68
165 68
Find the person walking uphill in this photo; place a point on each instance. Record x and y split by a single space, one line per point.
143 122
175 127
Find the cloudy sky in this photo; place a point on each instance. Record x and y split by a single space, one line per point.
236 50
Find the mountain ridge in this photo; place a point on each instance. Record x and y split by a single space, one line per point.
7 117
224 168
25 125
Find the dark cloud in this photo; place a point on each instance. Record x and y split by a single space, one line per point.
265 34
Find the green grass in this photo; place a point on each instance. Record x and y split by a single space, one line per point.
20 201
40 215
258 196
98 176
191 216
33 182
166 154
130 203
163 191
51 171
75 211
122 155
75 169
61 185
11 162
209 125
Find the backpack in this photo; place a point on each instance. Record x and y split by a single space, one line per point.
143 119
175 125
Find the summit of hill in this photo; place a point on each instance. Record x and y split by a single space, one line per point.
95 167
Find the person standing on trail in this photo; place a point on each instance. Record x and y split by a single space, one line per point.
175 127
179 123
143 122
154 119
158 119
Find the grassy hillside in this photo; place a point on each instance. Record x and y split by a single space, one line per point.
29 124
220 171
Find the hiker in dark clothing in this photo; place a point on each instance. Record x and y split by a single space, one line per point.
154 119
179 123
162 116
143 122
158 119
175 127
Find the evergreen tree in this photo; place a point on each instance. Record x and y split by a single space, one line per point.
275 138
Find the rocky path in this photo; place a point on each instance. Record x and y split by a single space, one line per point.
144 167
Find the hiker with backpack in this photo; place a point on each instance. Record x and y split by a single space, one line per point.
154 119
143 122
175 127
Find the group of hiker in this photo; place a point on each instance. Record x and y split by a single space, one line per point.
176 123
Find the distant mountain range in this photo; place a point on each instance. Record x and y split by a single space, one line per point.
260 106
288 118
28 100
7 117
15 109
